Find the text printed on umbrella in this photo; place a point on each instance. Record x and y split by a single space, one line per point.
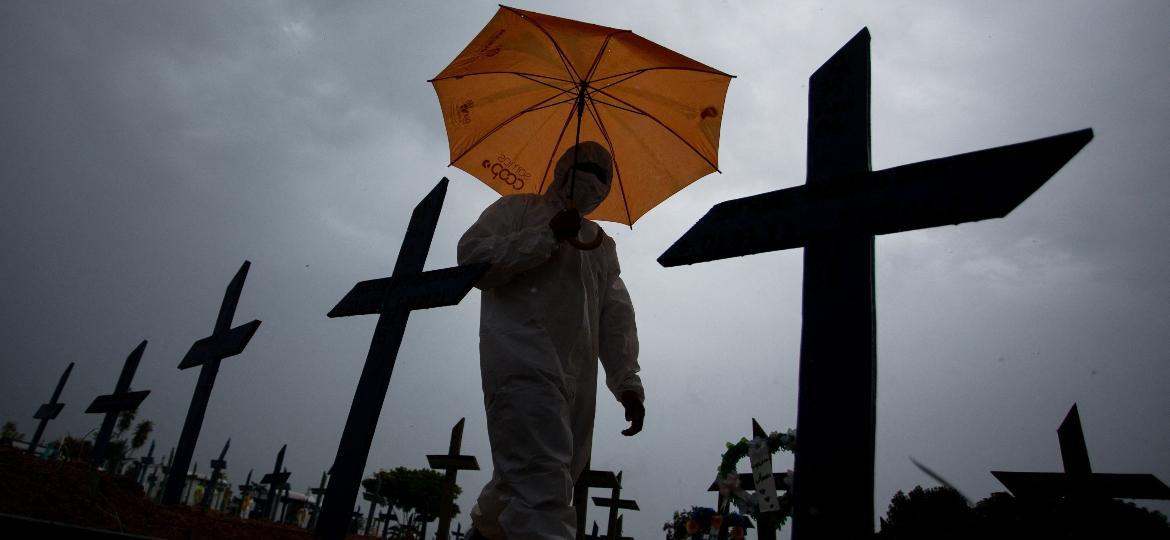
508 171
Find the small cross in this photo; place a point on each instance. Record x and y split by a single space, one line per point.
451 463
589 479
49 411
217 467
275 480
1078 478
615 502
121 400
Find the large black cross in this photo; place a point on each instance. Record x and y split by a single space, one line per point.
834 217
451 463
112 404
224 342
615 502
49 411
217 467
589 479
1078 478
392 299
276 480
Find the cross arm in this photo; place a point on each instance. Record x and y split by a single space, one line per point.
957 189
276 478
619 503
117 402
220 346
1121 486
598 479
449 462
218 464
49 411
431 289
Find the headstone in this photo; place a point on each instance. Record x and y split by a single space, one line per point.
49 411
224 342
450 463
112 404
1078 478
589 479
614 503
392 299
276 481
835 216
217 467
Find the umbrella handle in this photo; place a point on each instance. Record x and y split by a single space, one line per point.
590 245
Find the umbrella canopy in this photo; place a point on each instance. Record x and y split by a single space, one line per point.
530 85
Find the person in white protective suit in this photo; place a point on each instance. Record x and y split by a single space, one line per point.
549 312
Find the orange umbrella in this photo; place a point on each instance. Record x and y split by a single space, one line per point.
529 86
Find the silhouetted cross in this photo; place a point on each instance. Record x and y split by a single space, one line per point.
49 411
112 404
615 502
451 463
834 217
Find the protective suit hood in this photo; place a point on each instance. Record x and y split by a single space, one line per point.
594 174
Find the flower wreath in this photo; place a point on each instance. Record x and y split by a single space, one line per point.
728 479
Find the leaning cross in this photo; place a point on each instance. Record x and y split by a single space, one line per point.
451 463
217 467
392 299
1078 478
835 216
224 342
246 494
144 463
320 494
589 479
121 400
49 411
375 498
615 502
275 480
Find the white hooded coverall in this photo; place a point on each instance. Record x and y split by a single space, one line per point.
549 311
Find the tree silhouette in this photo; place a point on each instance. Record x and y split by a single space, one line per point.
938 512
413 492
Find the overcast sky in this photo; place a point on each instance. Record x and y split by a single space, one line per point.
148 148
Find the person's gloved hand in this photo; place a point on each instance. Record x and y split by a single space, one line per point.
635 412
565 224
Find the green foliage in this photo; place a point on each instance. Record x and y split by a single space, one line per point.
941 512
412 491
9 433
141 434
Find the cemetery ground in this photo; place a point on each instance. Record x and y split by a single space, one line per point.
74 493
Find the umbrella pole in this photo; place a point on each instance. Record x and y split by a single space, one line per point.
577 140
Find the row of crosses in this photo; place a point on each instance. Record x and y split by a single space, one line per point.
834 217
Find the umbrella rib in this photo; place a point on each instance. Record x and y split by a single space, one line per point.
601 52
530 76
560 137
618 107
536 106
564 59
710 71
617 172
664 126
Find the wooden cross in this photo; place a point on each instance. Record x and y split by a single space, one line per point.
458 534
275 480
166 470
595 535
386 518
834 217
615 502
144 463
224 342
49 411
217 466
375 498
393 299
589 479
1078 478
112 404
451 463
320 493
747 482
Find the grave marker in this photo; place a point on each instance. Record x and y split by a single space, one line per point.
144 463
1078 478
275 480
320 493
392 299
217 467
451 463
589 479
614 503
835 216
49 411
375 498
112 404
224 342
